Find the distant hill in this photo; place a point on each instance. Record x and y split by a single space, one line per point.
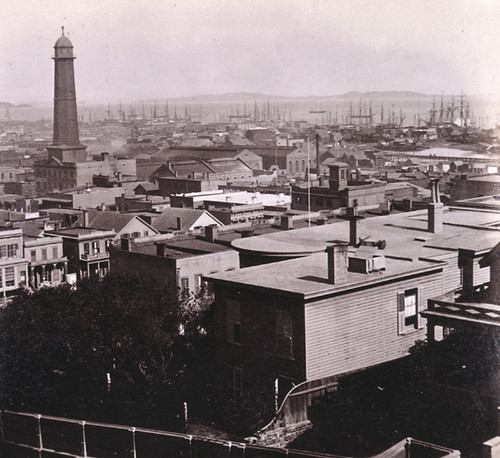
384 95
254 96
11 105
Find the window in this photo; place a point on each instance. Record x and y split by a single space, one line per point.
12 250
95 247
55 253
408 311
9 276
185 283
197 281
136 235
44 254
236 382
283 337
86 248
22 277
233 322
33 255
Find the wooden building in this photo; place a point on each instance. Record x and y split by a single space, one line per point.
329 309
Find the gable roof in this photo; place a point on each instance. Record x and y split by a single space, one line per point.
147 186
112 220
168 219
246 153
225 165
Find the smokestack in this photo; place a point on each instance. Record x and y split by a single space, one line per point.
435 209
211 233
286 222
317 154
337 262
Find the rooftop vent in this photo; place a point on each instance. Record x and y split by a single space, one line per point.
366 260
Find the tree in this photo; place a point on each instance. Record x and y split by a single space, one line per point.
109 350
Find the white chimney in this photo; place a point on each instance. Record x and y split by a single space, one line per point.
435 209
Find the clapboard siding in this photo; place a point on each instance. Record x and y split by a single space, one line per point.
357 330
481 275
452 274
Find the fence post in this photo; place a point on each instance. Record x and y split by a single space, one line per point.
408 448
84 439
40 440
134 451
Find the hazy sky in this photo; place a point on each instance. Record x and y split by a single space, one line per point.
132 50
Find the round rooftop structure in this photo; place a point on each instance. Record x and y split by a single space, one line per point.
63 41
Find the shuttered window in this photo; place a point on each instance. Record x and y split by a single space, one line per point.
409 306
233 322
9 276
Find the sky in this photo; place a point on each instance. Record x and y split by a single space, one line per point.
133 50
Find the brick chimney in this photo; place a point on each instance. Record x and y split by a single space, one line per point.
466 264
357 228
211 233
435 209
337 262
125 244
286 222
160 249
85 218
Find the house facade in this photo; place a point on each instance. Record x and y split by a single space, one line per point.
47 264
282 324
177 263
86 250
13 264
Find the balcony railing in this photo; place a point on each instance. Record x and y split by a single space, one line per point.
94 256
472 308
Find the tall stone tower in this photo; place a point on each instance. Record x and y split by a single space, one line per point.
66 144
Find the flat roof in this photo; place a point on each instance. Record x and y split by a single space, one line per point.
405 235
308 277
82 231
